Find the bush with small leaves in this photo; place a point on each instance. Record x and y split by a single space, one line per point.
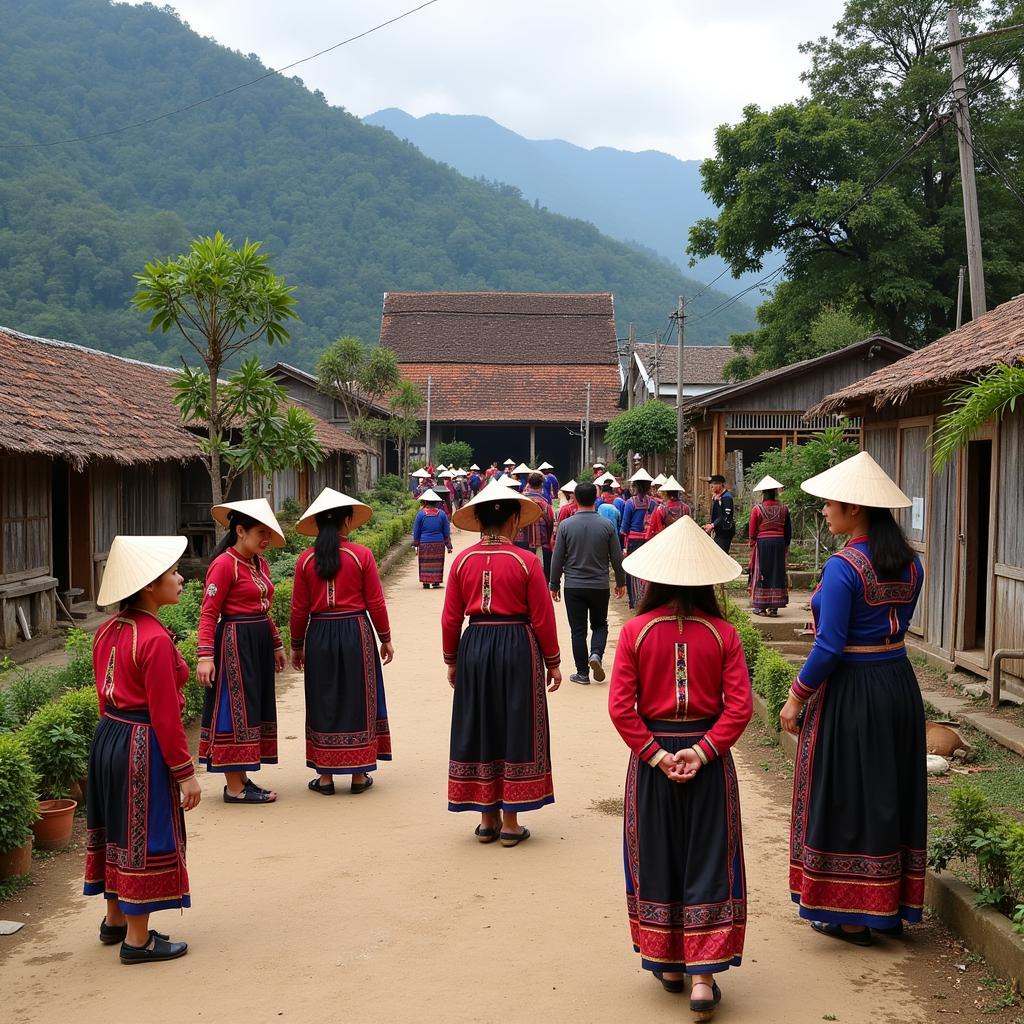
18 803
58 751
773 676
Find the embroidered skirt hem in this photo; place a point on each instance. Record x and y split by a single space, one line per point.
239 722
346 714
769 584
858 837
683 852
635 588
500 753
135 845
431 561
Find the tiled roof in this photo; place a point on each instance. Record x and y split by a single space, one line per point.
702 364
76 403
501 328
477 393
995 337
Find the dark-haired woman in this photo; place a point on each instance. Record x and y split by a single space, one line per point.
771 531
431 537
141 776
858 835
633 528
680 698
500 755
336 597
239 652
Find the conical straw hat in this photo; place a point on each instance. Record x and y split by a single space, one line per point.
509 462
446 475
135 562
641 475
465 518
420 474
545 466
327 499
682 555
522 468
658 480
569 487
429 495
858 480
767 483
475 468
255 508
605 478
672 484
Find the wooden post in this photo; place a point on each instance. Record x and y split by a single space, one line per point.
680 317
533 445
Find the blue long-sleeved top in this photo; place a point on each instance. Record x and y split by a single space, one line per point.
853 608
431 529
634 517
550 487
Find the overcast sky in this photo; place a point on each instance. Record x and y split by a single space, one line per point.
633 74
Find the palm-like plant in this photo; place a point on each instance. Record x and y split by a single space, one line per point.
989 397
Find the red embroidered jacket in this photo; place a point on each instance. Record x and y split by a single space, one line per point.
770 519
234 586
355 588
498 579
138 668
676 670
664 515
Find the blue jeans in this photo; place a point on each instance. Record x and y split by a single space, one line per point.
582 603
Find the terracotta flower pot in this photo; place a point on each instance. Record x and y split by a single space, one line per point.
53 829
16 862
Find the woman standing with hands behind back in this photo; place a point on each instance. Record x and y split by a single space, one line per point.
239 652
680 698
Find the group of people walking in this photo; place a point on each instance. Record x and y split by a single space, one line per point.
679 696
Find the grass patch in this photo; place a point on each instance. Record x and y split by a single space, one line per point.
10 887
610 805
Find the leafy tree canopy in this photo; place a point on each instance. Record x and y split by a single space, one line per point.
816 179
454 453
649 429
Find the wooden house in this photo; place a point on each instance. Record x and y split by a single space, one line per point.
655 371
732 427
966 521
92 446
514 374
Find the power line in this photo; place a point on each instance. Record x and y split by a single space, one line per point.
984 152
219 95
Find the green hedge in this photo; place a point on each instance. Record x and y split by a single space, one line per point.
751 637
773 676
18 804
57 748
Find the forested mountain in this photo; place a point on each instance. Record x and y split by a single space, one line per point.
650 198
347 210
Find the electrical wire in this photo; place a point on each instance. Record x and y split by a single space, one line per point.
219 95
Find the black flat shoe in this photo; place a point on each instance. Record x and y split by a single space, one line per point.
896 932
158 949
318 787
705 1008
362 787
514 838
110 934
252 787
674 985
487 835
249 795
836 931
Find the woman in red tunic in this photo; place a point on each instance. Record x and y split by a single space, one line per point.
141 776
771 531
337 595
239 652
500 755
680 698
671 508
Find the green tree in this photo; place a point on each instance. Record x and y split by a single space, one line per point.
406 403
649 429
866 222
990 397
270 434
354 372
454 453
220 299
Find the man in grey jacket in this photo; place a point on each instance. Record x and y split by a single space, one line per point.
585 545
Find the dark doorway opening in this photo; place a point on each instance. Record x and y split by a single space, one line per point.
974 531
61 527
496 442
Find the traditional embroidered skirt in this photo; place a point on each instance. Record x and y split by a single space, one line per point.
769 586
635 588
135 851
346 717
431 561
860 798
239 724
686 892
500 744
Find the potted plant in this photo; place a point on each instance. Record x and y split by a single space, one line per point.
60 756
17 807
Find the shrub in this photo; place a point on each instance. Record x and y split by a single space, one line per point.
773 676
195 694
281 607
184 616
751 637
389 489
283 568
79 650
28 691
84 707
17 794
58 751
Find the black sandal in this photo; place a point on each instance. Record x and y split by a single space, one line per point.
249 784
319 787
362 787
487 834
705 1008
161 949
254 795
110 934
674 985
836 931
514 838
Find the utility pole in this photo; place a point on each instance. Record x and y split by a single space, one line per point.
680 317
969 186
657 363
430 383
631 366
586 443
960 298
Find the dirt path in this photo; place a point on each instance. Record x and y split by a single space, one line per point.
384 907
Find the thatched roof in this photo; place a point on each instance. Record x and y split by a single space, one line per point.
74 403
995 337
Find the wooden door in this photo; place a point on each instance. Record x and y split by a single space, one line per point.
974 537
80 532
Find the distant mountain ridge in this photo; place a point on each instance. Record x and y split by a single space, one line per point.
649 198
